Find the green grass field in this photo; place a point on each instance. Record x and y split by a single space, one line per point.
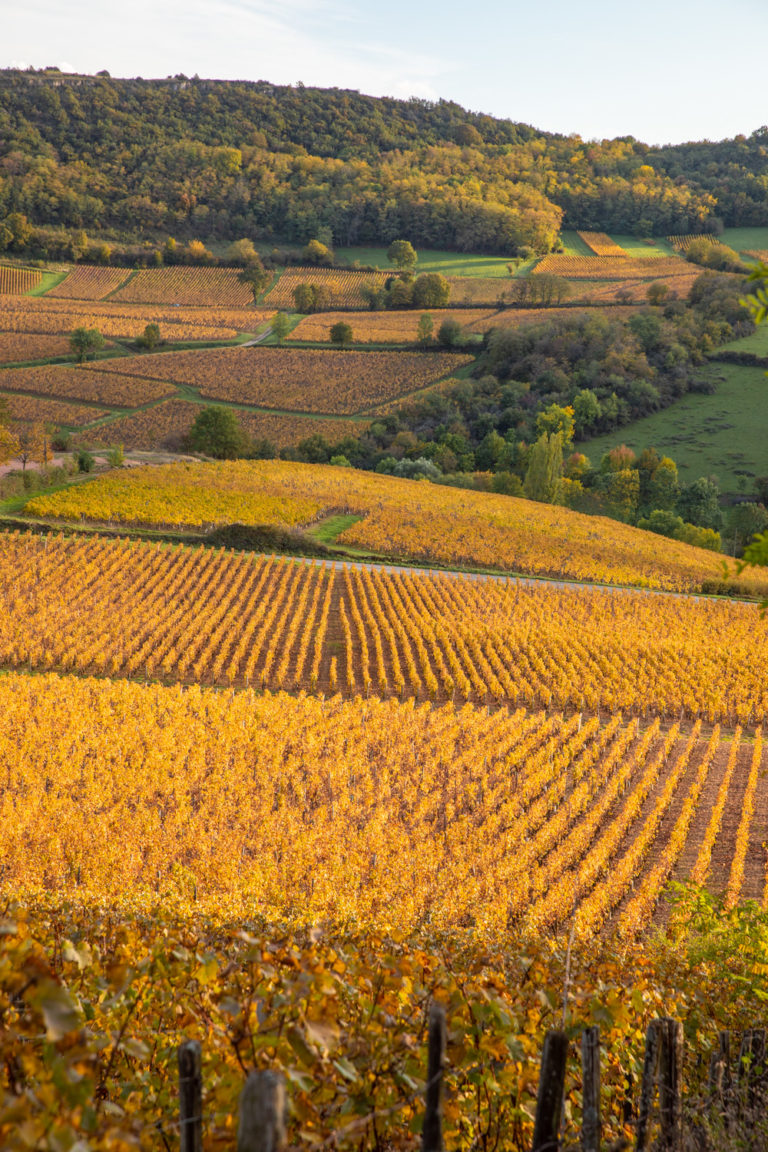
449 263
740 239
723 435
757 343
573 245
638 247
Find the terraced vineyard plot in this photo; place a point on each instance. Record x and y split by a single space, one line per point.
478 291
165 425
41 314
683 243
601 244
385 327
632 289
613 267
15 346
304 380
38 409
191 287
434 524
222 618
342 289
61 380
86 282
17 281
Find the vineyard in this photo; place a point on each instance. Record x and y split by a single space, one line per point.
539 816
86 282
189 287
60 380
613 267
683 243
385 327
635 291
601 244
40 409
15 346
142 610
41 314
423 522
165 425
307 380
18 281
477 291
343 289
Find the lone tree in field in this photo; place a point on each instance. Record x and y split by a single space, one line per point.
217 432
425 329
255 275
402 254
431 290
341 333
281 326
85 343
150 338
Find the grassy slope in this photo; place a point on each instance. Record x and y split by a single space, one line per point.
723 434
757 343
449 263
742 238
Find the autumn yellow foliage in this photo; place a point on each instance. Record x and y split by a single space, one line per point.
135 609
429 523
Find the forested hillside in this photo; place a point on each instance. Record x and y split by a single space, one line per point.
216 159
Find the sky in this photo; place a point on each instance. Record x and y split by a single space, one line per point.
663 71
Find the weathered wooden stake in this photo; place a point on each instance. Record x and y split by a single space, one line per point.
591 1127
751 1066
190 1097
650 1065
432 1132
261 1126
549 1102
671 1085
720 1073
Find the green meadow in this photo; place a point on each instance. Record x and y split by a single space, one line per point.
724 434
433 260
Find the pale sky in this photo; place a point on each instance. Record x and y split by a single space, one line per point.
663 71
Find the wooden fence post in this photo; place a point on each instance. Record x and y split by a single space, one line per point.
591 1126
261 1126
650 1065
549 1102
671 1085
190 1097
432 1131
751 1066
720 1074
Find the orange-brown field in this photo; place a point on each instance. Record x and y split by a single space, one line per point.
188 287
304 380
65 381
342 288
613 267
17 281
17 346
86 282
41 314
165 425
40 409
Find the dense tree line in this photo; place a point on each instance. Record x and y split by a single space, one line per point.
221 160
734 172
